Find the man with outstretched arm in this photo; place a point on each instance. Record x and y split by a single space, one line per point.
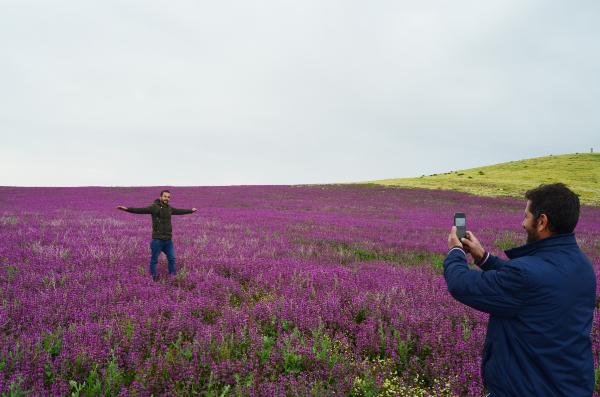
162 231
541 301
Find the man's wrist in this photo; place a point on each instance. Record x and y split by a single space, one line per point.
460 247
483 259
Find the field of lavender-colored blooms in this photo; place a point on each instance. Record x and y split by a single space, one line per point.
280 291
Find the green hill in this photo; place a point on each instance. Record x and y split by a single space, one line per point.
579 171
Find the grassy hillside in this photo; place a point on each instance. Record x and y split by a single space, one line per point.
580 171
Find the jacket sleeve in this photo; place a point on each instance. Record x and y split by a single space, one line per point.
498 292
144 210
492 262
178 211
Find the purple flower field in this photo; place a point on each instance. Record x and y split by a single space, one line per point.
280 291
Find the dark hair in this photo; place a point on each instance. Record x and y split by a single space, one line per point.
558 202
164 191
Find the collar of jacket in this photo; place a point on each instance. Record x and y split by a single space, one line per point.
558 240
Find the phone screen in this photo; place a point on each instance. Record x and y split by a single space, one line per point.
460 221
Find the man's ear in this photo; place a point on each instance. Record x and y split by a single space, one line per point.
542 223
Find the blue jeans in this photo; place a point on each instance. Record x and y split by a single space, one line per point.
157 246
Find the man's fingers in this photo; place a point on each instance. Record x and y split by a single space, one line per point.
453 238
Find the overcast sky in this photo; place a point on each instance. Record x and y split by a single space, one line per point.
286 92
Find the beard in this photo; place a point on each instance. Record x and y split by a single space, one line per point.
532 235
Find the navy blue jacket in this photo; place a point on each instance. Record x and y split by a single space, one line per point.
541 305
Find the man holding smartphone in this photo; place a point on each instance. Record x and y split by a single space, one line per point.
541 301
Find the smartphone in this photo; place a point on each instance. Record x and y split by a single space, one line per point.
460 221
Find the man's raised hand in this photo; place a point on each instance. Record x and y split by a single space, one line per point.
453 240
194 209
473 246
120 207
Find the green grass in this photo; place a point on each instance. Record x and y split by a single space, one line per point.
579 171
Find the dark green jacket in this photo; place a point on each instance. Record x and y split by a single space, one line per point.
161 218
